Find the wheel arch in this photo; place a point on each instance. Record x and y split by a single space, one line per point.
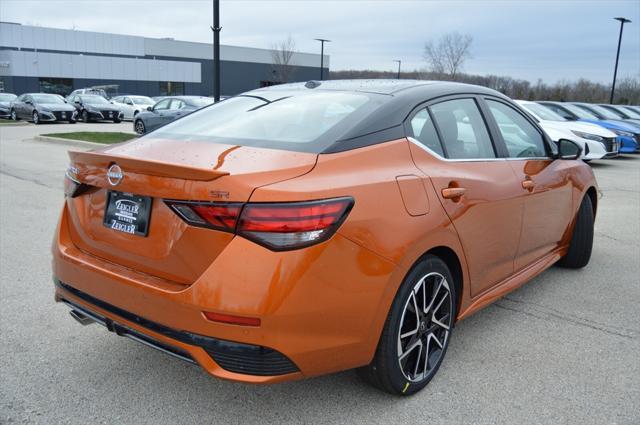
592 193
452 261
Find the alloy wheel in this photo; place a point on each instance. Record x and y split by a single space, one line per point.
14 116
139 127
85 116
36 118
425 326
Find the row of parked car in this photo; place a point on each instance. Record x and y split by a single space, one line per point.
89 105
603 131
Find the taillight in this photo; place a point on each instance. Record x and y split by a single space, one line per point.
277 226
292 225
219 216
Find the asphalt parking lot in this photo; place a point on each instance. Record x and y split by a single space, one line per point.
562 349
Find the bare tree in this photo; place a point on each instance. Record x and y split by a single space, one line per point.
281 54
448 54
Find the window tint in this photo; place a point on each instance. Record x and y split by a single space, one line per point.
425 132
463 131
162 105
523 140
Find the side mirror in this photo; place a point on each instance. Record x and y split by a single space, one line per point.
28 102
150 108
568 149
77 102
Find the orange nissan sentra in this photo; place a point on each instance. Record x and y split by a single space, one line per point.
305 229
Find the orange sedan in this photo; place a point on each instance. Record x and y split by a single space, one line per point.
305 229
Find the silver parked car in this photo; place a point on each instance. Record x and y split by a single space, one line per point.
132 105
168 109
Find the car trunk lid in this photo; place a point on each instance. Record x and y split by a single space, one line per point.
167 169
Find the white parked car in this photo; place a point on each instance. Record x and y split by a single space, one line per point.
131 105
596 142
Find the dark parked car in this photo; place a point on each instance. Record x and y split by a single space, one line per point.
167 110
42 107
92 107
5 104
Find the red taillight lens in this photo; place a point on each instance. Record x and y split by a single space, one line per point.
220 216
277 226
292 225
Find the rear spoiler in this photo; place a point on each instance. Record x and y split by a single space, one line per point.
143 166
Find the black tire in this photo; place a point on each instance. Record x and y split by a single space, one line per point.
386 371
36 117
85 116
139 127
72 121
581 243
14 115
117 120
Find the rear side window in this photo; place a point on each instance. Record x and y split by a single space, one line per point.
463 130
425 132
520 136
307 122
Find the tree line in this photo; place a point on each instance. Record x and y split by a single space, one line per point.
582 90
445 57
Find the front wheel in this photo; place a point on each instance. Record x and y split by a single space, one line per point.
36 117
85 116
117 120
14 116
138 126
581 244
416 333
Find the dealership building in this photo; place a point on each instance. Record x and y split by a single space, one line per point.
38 59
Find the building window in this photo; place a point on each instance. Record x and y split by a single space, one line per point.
265 83
62 86
171 88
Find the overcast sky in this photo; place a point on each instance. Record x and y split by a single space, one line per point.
552 40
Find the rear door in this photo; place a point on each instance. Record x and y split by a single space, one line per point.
547 196
478 190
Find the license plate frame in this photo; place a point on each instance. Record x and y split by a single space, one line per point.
127 213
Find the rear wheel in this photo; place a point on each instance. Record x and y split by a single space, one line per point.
117 120
36 117
416 334
138 126
581 244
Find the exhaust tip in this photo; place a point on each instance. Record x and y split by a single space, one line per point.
81 318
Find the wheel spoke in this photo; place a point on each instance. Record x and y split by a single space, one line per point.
440 322
418 343
433 297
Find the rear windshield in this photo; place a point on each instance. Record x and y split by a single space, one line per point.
199 102
306 122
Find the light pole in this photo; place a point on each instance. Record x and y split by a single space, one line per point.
615 69
322 41
216 50
399 63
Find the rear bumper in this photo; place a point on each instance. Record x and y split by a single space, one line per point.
234 357
321 308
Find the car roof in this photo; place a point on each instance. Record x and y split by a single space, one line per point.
395 99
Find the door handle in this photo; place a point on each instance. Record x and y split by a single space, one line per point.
453 192
528 184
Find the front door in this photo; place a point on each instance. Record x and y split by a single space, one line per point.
546 182
478 190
